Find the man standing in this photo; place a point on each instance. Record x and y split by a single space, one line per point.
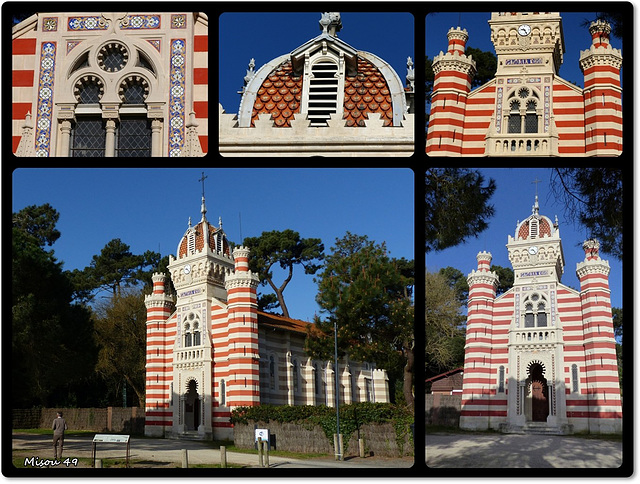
59 426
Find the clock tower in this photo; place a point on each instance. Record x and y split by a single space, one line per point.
198 273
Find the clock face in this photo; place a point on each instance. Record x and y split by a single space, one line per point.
187 269
533 250
524 29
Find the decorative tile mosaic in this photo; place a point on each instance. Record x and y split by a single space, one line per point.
177 96
499 111
45 98
547 104
50 24
155 43
71 44
179 21
140 22
86 23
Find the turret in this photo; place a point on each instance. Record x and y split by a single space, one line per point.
601 66
453 73
243 387
601 370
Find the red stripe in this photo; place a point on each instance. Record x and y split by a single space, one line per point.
15 141
22 79
200 43
204 143
23 47
200 75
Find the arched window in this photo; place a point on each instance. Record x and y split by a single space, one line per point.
531 118
188 341
318 379
501 379
528 316
542 315
514 117
296 377
196 335
272 373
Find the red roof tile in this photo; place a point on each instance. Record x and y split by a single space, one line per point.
283 323
367 92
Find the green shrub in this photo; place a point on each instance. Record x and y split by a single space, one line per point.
351 417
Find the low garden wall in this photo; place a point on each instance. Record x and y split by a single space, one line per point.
111 419
442 410
379 439
385 429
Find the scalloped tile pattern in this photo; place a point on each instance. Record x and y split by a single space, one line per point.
367 92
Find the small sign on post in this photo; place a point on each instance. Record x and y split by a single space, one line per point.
110 438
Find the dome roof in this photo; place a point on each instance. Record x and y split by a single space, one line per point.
195 238
536 226
321 77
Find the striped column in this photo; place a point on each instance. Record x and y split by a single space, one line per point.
601 66
243 387
602 405
201 80
478 383
220 368
453 72
23 78
161 333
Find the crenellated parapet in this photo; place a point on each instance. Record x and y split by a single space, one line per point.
300 139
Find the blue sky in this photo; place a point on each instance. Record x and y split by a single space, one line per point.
265 36
148 209
513 199
576 36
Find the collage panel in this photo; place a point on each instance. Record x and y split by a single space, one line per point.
215 374
327 88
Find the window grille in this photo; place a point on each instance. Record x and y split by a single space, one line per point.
134 137
574 378
501 380
514 118
88 137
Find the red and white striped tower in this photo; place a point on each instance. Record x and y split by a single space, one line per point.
453 73
478 382
160 337
600 384
601 66
243 387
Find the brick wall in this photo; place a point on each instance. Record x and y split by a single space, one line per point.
380 439
111 419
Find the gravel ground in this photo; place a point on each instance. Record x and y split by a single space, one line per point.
520 451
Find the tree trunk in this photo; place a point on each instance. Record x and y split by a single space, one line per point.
407 384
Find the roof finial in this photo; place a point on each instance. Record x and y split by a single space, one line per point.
536 207
330 23
203 209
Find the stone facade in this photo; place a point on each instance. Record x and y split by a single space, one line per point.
541 355
527 109
210 350
110 84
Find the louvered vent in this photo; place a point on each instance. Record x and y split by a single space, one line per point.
323 93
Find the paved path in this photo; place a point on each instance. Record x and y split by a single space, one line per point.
166 452
520 451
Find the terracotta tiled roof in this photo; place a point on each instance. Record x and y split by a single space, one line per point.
279 95
367 92
182 250
280 322
543 229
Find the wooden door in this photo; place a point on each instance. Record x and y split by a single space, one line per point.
539 401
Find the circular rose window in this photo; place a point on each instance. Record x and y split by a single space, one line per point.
113 57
